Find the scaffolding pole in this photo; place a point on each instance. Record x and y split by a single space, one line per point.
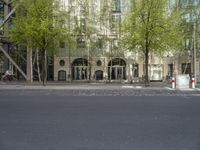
8 16
13 62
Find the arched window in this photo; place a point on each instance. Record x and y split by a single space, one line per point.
99 75
61 75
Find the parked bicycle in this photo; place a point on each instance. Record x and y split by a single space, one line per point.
8 76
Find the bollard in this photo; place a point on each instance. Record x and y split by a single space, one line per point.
193 83
173 82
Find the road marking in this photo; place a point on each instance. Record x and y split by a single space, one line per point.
131 87
138 87
128 87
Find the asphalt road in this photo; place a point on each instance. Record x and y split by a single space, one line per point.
51 122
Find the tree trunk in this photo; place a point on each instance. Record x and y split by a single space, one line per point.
110 78
147 83
38 65
29 66
34 60
70 66
44 67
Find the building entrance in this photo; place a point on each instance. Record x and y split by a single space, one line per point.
80 73
117 69
156 72
80 69
117 73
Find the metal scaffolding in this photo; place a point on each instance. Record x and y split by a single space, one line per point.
7 10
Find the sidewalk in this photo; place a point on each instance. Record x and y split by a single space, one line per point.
94 89
84 86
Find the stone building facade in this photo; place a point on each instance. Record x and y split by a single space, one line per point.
107 66
97 23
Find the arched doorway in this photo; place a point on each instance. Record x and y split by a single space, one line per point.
99 75
80 69
117 69
61 75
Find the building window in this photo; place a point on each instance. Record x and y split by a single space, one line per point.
195 2
172 3
116 20
82 25
80 41
186 68
135 70
170 70
116 6
184 2
62 75
99 63
62 63
99 75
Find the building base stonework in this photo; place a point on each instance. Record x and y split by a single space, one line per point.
103 69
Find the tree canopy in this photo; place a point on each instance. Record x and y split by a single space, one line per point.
151 27
41 25
38 23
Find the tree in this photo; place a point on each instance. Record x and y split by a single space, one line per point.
151 28
39 24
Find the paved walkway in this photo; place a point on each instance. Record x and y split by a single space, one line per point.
87 86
